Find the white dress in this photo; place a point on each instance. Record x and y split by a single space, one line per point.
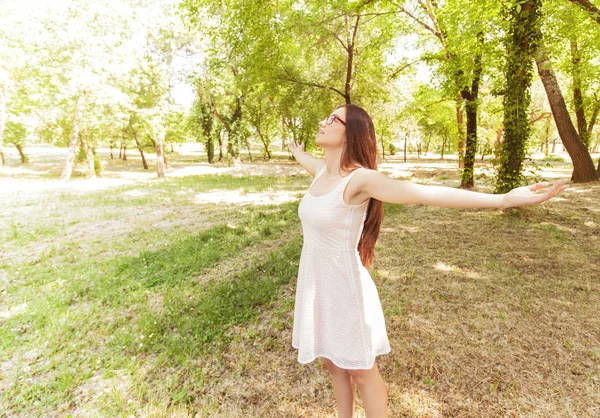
337 314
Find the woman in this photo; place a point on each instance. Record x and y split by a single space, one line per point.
338 315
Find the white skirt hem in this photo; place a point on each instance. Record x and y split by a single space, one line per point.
322 355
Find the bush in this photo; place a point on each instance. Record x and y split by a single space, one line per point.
556 158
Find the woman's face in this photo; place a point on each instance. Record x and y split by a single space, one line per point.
332 135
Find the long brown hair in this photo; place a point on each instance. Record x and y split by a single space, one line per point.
361 150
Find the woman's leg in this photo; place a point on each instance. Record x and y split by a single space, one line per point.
344 389
372 391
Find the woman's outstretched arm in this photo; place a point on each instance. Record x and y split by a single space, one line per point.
306 159
381 187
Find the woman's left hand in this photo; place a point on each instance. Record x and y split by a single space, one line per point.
525 196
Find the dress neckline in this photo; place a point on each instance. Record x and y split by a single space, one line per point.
344 180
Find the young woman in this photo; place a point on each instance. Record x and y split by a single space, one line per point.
338 315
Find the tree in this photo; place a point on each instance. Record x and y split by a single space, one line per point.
201 122
457 27
318 52
583 166
521 44
15 134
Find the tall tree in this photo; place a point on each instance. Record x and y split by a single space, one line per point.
69 163
457 26
522 41
471 96
583 166
201 122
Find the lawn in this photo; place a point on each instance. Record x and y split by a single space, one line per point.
128 296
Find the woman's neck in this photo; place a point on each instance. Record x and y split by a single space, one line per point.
333 158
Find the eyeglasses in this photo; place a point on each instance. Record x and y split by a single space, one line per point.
331 118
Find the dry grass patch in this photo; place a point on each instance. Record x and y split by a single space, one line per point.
489 313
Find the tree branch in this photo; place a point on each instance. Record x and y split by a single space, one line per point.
308 83
375 14
588 7
539 117
355 29
340 41
594 116
404 67
435 32
225 121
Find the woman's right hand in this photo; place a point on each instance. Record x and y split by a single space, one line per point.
295 147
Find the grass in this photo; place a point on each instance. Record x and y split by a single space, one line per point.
140 300
555 158
85 312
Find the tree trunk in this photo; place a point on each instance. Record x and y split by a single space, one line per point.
248 147
138 144
160 161
97 165
521 42
405 137
264 142
498 145
349 64
578 95
467 180
583 166
461 133
427 146
89 154
221 145
470 97
210 149
68 168
24 158
444 145
112 145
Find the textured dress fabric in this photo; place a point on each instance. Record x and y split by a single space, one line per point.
338 313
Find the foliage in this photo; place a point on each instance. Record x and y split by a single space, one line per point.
521 42
267 71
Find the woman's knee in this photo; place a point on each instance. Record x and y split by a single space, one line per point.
359 376
362 376
332 368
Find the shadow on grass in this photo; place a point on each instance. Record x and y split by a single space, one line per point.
98 311
192 324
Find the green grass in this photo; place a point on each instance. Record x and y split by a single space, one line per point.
139 300
84 304
204 319
555 158
182 189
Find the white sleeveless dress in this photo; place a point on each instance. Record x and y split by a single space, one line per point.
337 314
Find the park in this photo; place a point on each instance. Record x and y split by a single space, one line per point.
150 238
